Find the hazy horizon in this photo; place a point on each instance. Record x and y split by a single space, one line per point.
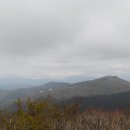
11 83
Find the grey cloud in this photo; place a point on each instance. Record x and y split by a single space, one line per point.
47 38
33 30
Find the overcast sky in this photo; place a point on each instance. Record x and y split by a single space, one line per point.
59 39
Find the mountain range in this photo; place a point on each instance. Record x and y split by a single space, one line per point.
106 92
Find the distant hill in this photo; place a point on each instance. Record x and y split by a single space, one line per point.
94 93
33 92
103 86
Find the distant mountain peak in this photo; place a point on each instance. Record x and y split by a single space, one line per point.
110 77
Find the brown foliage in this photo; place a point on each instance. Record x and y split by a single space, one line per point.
43 115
